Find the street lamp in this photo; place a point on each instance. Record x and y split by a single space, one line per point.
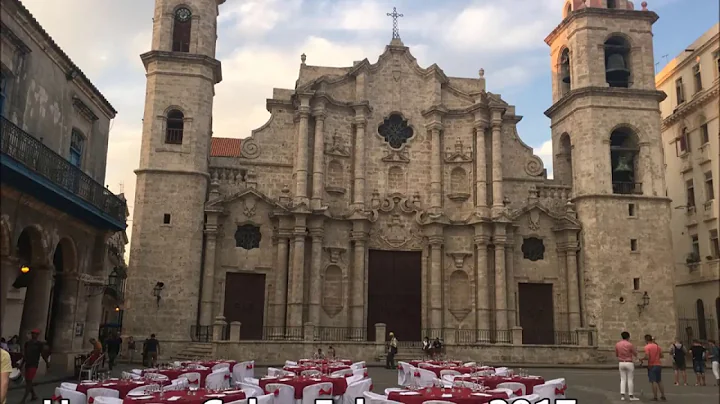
645 302
25 269
157 291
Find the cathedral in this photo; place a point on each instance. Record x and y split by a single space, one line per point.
391 193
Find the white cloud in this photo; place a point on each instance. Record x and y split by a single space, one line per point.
545 152
257 17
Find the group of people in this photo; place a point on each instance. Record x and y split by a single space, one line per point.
320 355
627 354
432 349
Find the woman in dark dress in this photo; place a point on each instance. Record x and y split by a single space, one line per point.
678 353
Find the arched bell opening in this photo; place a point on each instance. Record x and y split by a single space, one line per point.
617 62
565 78
624 152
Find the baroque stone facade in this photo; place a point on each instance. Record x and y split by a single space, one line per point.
391 156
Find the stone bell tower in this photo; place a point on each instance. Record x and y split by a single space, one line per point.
172 179
605 121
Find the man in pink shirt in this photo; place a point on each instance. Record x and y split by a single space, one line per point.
626 354
653 354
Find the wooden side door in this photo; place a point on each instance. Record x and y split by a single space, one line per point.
245 302
536 313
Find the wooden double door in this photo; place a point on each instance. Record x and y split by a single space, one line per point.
536 313
245 302
395 293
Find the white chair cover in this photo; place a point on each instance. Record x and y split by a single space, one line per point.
470 364
546 390
404 373
427 377
358 365
180 383
501 371
286 393
218 380
290 363
342 372
532 398
102 392
138 371
276 372
354 378
193 378
251 380
360 372
425 365
68 386
223 365
356 390
372 398
250 390
445 372
316 391
265 399
72 395
107 400
449 378
560 384
514 387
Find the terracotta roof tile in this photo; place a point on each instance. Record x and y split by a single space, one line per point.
225 147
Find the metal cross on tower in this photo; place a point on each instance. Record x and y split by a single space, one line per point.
395 15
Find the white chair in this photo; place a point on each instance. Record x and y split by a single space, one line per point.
68 386
193 378
138 372
404 373
342 372
546 390
107 400
362 372
449 378
358 365
448 372
356 390
372 398
317 391
102 392
290 363
73 396
219 366
251 380
424 377
560 387
282 393
142 390
470 364
250 390
218 380
532 399
518 389
353 379
311 372
265 399
501 371
424 365
180 383
276 372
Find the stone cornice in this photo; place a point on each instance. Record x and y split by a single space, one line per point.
181 57
688 107
586 12
602 91
622 196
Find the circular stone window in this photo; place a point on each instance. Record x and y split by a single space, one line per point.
622 299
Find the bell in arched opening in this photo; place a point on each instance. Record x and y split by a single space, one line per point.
565 69
624 164
616 71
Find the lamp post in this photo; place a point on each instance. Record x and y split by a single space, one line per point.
644 303
157 292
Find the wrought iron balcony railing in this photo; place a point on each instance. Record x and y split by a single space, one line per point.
24 148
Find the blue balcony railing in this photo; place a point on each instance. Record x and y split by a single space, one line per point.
40 159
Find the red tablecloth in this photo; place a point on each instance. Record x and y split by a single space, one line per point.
438 363
299 383
326 361
200 397
458 395
492 381
209 364
122 386
309 366
173 374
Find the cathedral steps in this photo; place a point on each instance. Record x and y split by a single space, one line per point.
404 354
194 351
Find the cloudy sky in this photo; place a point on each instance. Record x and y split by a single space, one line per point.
260 43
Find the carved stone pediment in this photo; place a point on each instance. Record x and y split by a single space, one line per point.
459 154
396 235
563 217
396 156
249 198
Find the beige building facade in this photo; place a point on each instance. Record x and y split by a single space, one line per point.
691 134
389 193
55 213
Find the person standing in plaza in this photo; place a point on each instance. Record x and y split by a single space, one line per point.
5 370
698 358
392 351
653 355
34 349
113 349
715 360
678 354
152 350
626 355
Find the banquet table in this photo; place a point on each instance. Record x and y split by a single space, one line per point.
462 369
173 374
492 381
185 397
300 382
122 386
321 368
209 364
456 395
326 361
436 363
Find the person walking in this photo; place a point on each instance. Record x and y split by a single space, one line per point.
698 358
626 355
114 343
33 350
392 351
678 354
715 360
653 355
151 348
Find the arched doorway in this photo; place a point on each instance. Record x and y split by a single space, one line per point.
702 328
64 263
33 275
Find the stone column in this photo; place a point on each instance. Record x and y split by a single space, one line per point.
435 279
511 285
318 178
436 169
315 280
359 174
301 175
573 289
480 169
357 290
501 320
9 270
208 285
37 300
296 282
482 292
65 315
281 279
93 316
497 174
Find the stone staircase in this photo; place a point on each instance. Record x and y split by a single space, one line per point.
404 354
194 351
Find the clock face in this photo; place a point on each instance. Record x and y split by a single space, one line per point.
183 14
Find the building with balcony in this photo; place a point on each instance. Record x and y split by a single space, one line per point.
690 132
56 216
